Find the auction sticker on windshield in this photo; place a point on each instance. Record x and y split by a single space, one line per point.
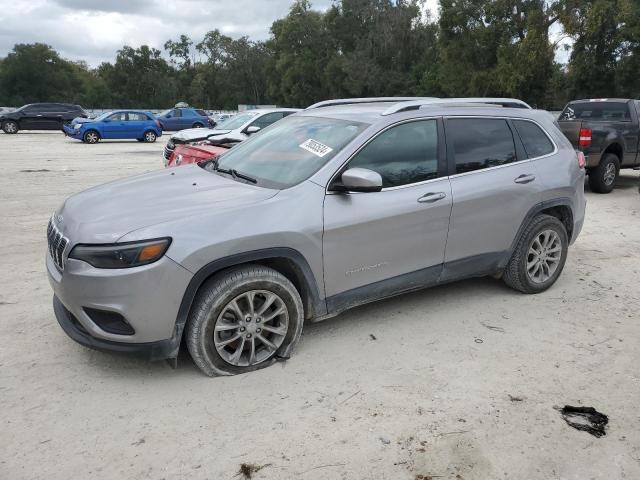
316 148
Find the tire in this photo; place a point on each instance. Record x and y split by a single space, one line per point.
516 274
213 306
91 137
10 127
603 178
197 125
150 136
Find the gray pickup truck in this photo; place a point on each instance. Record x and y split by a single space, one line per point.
608 132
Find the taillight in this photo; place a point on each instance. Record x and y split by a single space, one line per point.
585 137
582 161
158 124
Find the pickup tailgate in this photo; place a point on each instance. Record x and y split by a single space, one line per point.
571 130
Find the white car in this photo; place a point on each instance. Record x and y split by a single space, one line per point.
236 128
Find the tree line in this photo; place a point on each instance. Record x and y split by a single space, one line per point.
360 48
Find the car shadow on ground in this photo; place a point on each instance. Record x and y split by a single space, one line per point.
360 318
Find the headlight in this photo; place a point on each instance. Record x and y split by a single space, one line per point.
178 159
121 255
77 126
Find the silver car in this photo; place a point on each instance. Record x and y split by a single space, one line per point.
333 207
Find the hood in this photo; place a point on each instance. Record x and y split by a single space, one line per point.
192 134
77 120
201 150
105 213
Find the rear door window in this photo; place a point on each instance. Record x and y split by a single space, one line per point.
597 111
480 143
137 117
402 155
536 142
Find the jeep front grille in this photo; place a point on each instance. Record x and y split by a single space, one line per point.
57 244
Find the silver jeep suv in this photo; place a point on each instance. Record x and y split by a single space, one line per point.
336 206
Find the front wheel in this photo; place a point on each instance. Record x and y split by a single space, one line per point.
602 178
91 137
197 125
539 256
10 127
149 136
242 320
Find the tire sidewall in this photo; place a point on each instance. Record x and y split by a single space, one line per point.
206 317
550 223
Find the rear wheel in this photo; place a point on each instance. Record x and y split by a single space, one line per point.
539 256
91 136
10 127
602 178
242 320
150 136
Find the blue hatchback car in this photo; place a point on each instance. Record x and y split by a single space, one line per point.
181 118
117 124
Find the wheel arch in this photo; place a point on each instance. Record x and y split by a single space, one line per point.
559 208
287 261
615 148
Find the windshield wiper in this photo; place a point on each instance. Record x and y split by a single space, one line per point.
231 171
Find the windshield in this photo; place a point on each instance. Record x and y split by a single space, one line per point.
290 150
162 114
103 116
235 122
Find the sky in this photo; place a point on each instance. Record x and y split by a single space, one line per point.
94 30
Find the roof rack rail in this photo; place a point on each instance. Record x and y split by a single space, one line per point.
352 101
458 102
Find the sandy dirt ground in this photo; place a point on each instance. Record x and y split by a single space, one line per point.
456 382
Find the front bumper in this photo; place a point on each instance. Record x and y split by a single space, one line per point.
71 132
152 350
148 297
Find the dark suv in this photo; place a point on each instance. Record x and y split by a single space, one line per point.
40 116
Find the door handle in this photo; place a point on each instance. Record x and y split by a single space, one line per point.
39 115
525 178
432 197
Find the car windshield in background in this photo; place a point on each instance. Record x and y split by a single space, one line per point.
236 122
291 150
103 116
603 111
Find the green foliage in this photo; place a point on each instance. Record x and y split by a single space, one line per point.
360 48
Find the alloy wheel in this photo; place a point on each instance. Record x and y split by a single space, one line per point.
251 328
544 255
10 127
609 174
150 137
91 137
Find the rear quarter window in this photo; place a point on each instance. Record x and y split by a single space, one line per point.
202 113
536 142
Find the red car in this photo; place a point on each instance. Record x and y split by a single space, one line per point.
187 154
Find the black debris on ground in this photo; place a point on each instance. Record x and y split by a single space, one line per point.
372 336
248 469
587 419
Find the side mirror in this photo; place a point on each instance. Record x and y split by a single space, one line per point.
168 115
359 180
252 129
